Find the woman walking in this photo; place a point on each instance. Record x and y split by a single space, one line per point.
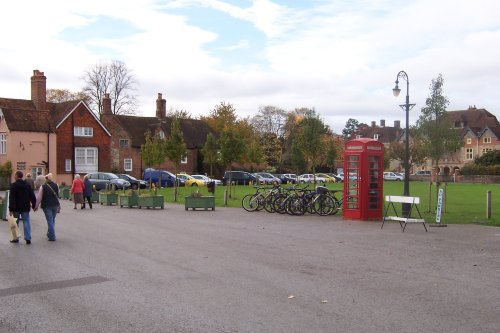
77 191
87 192
48 197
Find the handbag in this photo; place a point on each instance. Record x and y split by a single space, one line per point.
15 233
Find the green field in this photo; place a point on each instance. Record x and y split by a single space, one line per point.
465 203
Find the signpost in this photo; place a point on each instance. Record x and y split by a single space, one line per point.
438 209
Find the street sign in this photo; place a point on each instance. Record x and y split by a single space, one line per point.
439 206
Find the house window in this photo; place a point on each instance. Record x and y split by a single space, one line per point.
67 165
86 159
469 141
127 164
487 139
469 154
184 160
485 150
83 131
375 136
3 143
123 143
458 124
358 136
36 171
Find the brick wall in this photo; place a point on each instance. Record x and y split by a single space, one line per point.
81 117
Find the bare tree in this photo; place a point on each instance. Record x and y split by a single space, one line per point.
64 95
115 79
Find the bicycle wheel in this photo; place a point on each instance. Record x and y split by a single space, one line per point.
324 204
295 206
250 202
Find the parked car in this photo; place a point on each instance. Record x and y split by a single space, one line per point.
159 176
239 177
134 182
341 176
329 179
191 181
267 178
207 179
103 180
392 176
309 178
422 173
337 178
286 178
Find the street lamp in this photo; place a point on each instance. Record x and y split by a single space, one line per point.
407 107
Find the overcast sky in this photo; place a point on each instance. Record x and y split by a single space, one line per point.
339 57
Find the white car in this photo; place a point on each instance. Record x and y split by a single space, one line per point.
309 178
207 179
392 176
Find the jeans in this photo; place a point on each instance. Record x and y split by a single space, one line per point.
50 215
25 216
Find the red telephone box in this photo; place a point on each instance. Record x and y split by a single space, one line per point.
363 179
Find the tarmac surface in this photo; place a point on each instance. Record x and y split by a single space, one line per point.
117 269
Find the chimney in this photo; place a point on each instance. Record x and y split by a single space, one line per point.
397 123
106 104
373 123
39 90
382 123
161 107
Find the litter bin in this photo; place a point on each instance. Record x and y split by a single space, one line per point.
211 187
4 206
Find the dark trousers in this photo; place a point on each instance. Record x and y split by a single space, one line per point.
89 200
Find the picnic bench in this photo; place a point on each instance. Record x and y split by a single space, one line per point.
413 201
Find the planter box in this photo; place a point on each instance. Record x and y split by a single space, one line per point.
65 193
95 196
108 198
204 202
151 201
129 200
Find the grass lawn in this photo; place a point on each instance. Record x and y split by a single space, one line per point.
464 203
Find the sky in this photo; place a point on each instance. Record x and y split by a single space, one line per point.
340 57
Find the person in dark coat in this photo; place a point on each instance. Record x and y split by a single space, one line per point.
87 192
21 200
48 198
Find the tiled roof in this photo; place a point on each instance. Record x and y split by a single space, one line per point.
27 120
385 134
473 117
194 131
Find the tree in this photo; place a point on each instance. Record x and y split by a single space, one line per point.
396 151
433 127
255 155
270 119
296 157
112 78
222 116
232 147
331 155
210 152
310 136
152 151
488 158
64 95
178 113
352 126
175 149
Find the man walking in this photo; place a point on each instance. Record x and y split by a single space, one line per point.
20 197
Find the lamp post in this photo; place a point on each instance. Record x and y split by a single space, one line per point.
407 107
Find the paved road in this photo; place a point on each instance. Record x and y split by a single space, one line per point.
131 270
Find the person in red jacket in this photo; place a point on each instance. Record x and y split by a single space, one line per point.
77 190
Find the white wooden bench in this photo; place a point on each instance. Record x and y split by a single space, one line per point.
413 201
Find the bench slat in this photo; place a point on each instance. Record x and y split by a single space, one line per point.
402 199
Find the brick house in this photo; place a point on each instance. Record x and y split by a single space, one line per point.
61 138
479 129
128 135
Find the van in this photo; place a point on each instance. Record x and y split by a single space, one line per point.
239 178
422 173
166 178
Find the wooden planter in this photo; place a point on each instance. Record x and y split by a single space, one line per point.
108 198
95 196
65 193
152 201
205 202
128 200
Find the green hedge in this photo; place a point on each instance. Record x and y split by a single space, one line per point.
472 169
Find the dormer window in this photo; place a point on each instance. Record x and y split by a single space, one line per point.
487 139
124 143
